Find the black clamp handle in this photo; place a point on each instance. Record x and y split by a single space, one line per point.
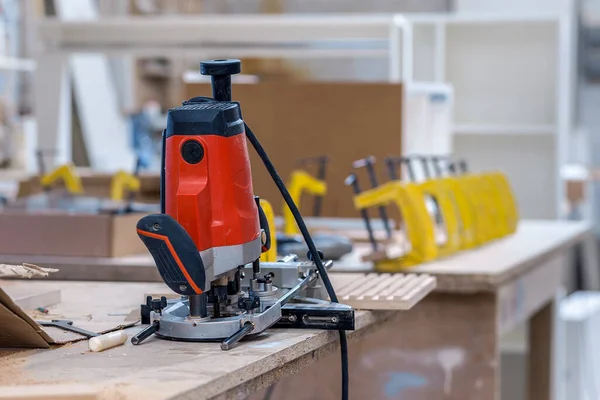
352 180
393 163
368 163
321 162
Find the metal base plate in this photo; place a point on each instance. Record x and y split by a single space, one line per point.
176 324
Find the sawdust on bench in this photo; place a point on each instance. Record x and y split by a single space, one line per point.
11 369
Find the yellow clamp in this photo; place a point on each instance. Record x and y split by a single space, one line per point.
440 191
121 182
271 254
299 183
505 201
68 175
418 225
508 199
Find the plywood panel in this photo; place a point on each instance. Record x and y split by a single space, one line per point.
382 291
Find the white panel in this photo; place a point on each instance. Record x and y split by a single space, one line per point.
52 109
580 312
503 73
103 124
428 122
528 161
424 53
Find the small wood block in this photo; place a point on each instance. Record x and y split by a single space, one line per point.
373 291
31 302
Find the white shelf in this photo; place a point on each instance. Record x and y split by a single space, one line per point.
484 129
132 33
484 18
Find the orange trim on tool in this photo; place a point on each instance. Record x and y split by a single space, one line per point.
175 256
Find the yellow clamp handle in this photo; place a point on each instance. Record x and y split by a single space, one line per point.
121 182
418 225
300 182
68 175
445 200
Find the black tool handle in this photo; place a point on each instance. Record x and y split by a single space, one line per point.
174 252
145 333
228 343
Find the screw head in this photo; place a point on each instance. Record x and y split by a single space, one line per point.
335 320
292 318
183 288
156 226
263 237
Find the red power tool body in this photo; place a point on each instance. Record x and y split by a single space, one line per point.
211 223
208 184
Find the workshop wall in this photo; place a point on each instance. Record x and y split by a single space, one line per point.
346 121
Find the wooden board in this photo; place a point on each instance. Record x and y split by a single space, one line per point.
382 291
34 300
186 370
489 266
306 119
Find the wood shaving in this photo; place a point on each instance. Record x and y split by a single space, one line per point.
24 270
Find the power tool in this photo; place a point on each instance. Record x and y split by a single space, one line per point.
208 240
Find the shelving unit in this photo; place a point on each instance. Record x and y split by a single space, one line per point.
514 89
513 106
240 36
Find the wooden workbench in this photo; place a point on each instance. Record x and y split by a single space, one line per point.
445 348
448 346
160 369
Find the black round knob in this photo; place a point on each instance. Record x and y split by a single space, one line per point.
192 152
221 67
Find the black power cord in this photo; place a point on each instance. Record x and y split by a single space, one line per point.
309 242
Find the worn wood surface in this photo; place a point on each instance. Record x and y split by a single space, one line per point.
448 346
445 348
480 269
487 267
540 354
186 370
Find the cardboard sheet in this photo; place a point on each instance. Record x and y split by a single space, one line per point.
17 329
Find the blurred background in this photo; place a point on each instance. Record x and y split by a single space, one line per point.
512 85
